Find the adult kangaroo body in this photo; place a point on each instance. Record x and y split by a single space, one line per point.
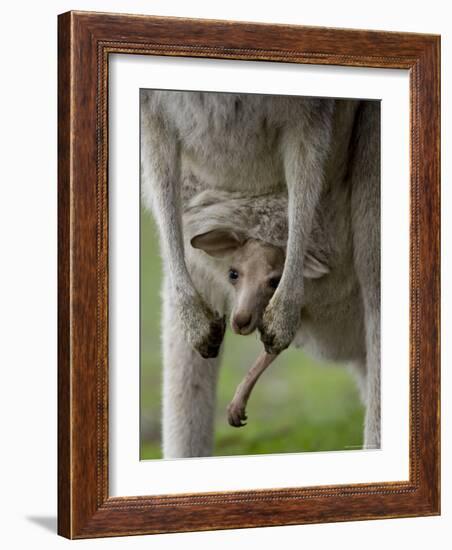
326 154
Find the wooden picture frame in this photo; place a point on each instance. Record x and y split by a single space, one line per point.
85 42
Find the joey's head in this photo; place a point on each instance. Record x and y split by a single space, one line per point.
254 271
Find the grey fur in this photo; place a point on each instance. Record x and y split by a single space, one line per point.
323 156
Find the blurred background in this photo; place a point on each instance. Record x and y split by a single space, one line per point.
297 405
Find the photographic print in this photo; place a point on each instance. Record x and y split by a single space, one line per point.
228 229
260 274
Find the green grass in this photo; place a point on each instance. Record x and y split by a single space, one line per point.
298 404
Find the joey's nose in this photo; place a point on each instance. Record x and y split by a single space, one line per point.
241 323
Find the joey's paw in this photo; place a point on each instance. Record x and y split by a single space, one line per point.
279 325
204 330
236 414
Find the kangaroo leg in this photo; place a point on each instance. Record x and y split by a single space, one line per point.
160 168
304 148
189 390
236 408
358 370
365 207
372 436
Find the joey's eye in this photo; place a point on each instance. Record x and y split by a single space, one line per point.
274 282
233 275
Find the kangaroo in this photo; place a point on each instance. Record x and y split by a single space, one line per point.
254 273
324 154
245 243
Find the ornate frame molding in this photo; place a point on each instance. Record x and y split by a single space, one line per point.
85 42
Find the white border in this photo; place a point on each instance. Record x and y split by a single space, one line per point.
129 475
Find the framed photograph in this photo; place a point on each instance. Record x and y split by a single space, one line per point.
248 275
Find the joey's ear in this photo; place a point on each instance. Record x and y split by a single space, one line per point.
314 268
219 242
